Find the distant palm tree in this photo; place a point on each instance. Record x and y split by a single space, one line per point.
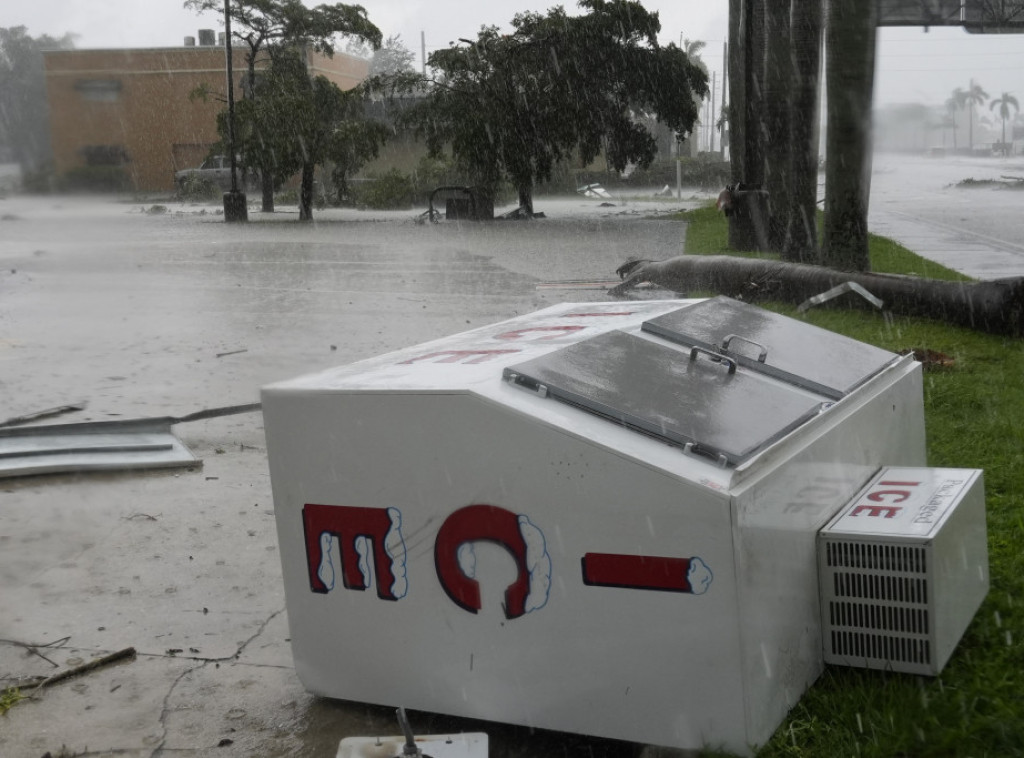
1004 103
975 95
953 104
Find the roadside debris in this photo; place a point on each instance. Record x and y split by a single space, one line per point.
594 190
102 445
95 663
44 414
835 292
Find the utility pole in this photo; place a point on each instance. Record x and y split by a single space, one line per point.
236 207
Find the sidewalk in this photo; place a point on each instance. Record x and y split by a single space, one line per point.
960 212
977 255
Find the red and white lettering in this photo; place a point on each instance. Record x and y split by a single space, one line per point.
358 531
876 511
558 332
646 572
455 561
459 356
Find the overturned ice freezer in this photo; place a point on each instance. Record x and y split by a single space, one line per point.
596 518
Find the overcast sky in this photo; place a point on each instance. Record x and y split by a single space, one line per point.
913 65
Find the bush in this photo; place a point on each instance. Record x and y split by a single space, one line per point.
194 187
96 179
391 190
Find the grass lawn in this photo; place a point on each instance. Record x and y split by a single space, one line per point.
975 419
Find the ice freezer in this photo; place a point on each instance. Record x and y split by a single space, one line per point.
595 518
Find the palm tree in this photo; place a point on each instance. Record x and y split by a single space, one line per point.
956 102
849 78
1004 103
807 21
975 95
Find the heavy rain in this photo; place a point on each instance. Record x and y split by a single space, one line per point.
177 582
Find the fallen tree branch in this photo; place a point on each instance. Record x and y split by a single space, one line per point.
995 306
106 660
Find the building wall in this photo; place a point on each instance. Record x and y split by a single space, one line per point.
132 106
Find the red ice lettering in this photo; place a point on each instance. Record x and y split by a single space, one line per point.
481 523
347 523
646 572
457 356
558 332
875 511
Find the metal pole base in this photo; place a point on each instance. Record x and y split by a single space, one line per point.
236 208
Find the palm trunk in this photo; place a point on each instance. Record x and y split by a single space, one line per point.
306 193
992 306
778 78
802 234
850 67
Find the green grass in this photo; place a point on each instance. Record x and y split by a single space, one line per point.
975 419
8 698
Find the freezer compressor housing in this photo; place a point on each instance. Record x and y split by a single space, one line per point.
604 518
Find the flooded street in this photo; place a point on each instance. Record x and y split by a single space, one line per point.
142 311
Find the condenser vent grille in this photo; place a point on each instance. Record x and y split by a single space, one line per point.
897 589
880 647
878 557
878 611
888 618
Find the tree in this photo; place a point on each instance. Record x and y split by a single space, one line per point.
259 24
307 122
392 58
850 66
994 306
806 35
957 101
778 80
974 95
512 106
1005 103
24 114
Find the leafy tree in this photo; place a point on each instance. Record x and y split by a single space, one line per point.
306 122
512 106
24 114
1005 103
260 25
392 58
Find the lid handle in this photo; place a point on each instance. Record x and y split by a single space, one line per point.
717 357
763 351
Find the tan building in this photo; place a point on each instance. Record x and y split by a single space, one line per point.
129 110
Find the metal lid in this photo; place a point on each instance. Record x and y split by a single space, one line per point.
690 398
790 350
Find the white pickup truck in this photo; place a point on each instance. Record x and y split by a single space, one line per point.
217 171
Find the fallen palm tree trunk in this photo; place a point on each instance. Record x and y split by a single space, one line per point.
994 306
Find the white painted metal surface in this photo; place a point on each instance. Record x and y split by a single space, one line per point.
456 544
904 567
467 745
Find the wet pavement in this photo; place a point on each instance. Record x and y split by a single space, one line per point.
965 213
140 312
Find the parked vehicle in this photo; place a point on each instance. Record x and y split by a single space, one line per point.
217 171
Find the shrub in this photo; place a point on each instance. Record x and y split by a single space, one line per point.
391 190
194 187
96 179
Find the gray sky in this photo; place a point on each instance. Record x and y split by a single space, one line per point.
913 65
